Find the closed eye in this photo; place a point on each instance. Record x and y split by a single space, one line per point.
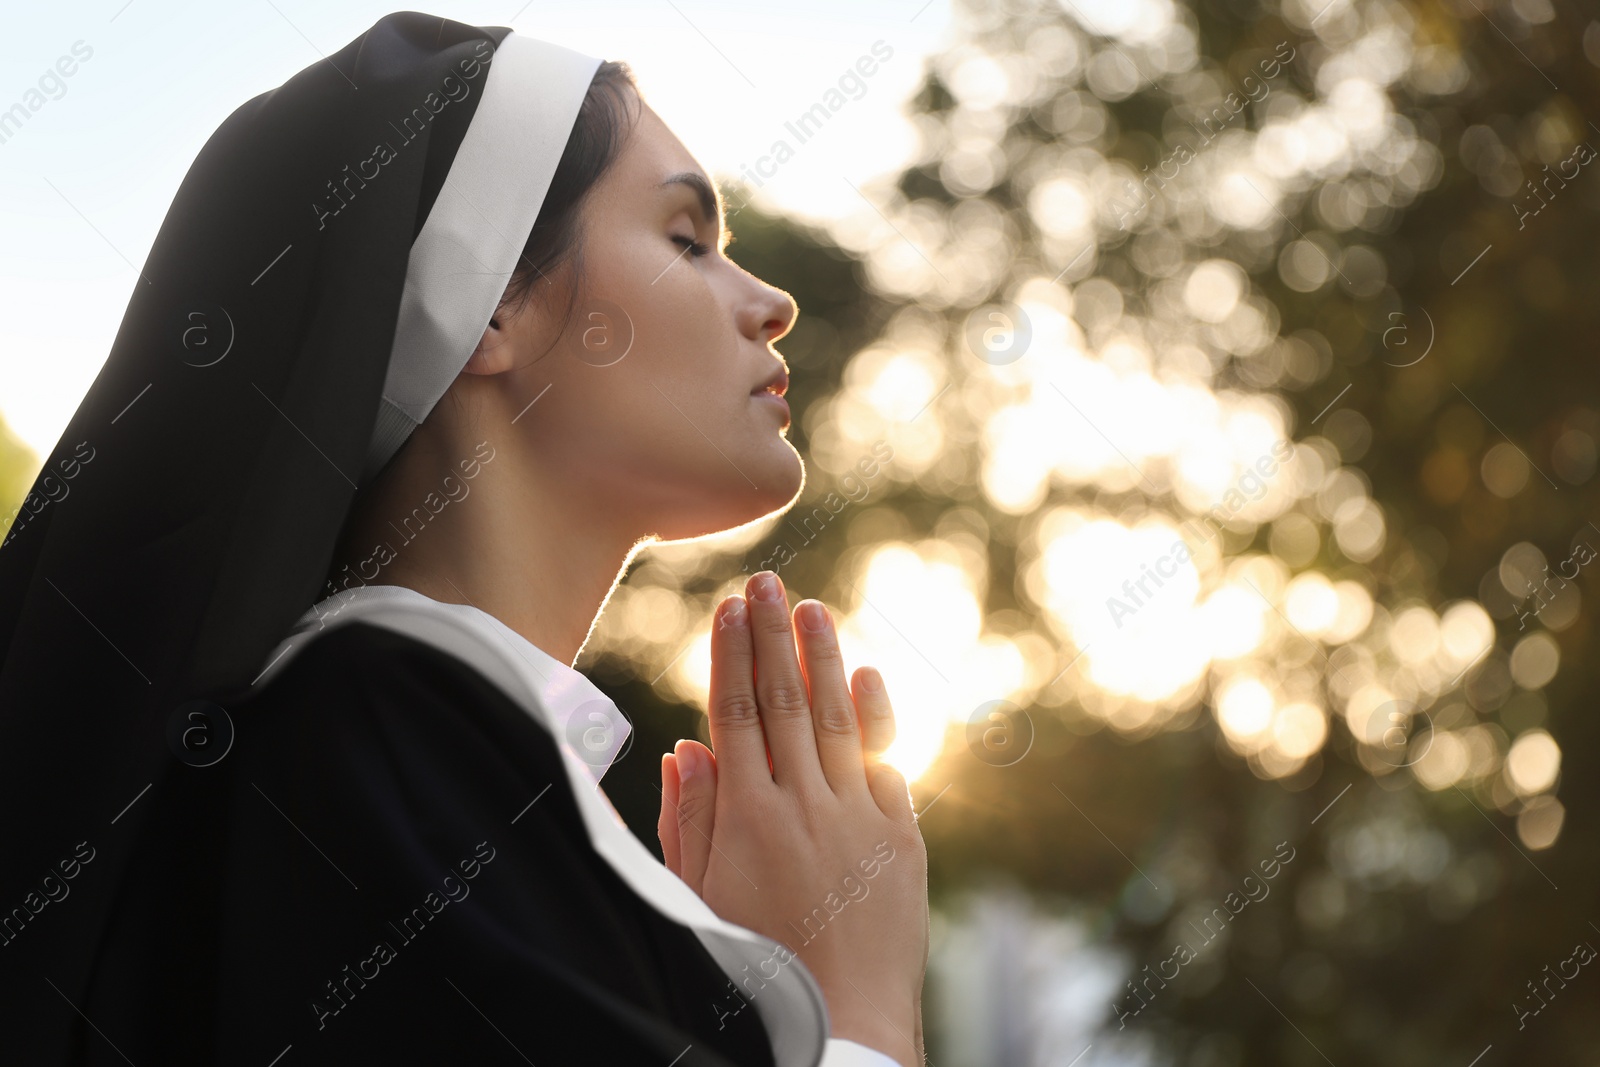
696 248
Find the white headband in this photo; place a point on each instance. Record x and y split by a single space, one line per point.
469 246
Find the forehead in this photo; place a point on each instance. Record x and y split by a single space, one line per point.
652 172
653 144
653 153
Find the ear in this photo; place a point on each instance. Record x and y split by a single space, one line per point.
493 354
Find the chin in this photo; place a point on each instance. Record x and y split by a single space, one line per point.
730 506
789 476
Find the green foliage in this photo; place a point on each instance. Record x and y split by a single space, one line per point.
18 467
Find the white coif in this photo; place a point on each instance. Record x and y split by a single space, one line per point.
469 245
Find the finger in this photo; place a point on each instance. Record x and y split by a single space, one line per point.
736 732
780 688
889 789
697 808
667 821
873 709
833 713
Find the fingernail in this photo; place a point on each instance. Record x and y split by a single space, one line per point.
813 616
688 761
733 613
764 586
871 680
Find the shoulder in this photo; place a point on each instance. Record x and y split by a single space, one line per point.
410 635
359 654
361 665
363 697
383 792
396 750
376 776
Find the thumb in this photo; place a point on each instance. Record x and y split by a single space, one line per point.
890 790
697 807
667 821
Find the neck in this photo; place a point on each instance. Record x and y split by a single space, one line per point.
500 540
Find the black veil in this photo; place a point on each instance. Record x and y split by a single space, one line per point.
190 510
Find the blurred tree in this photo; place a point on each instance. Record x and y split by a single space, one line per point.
1146 244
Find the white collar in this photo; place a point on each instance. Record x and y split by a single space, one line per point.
583 720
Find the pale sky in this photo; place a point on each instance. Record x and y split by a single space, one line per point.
86 182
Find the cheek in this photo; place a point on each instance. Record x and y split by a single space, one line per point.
672 418
675 311
645 418
684 339
638 298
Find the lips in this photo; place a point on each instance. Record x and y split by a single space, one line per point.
771 392
777 385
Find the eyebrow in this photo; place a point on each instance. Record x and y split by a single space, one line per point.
708 198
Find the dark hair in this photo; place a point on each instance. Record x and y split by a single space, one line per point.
604 119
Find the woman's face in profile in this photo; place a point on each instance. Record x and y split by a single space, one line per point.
656 403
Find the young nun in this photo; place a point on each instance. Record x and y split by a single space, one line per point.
294 768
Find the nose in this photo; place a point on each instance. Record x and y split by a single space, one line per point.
768 312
